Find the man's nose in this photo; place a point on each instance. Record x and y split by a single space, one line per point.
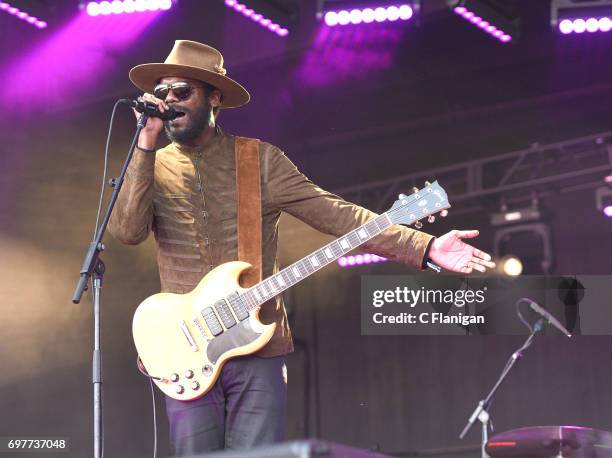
170 97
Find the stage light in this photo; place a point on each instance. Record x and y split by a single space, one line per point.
529 245
493 18
591 16
23 15
346 12
359 259
272 17
506 217
510 265
107 8
603 198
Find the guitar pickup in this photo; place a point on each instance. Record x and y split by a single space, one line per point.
224 312
237 305
212 321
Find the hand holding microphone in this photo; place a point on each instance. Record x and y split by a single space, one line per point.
158 111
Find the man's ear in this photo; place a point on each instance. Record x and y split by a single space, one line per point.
215 98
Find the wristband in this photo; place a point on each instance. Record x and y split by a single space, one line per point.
144 150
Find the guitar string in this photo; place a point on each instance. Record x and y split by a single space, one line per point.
405 207
412 199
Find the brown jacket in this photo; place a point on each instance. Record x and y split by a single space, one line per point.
187 196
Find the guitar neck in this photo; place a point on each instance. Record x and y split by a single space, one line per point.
296 272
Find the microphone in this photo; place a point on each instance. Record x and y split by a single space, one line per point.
151 110
547 316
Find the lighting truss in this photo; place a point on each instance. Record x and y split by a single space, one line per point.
568 166
106 8
24 16
572 17
341 13
490 17
273 15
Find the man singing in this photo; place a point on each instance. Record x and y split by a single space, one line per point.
186 193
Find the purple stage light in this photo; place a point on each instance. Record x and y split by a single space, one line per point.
581 25
566 26
78 57
359 259
605 24
405 12
380 14
106 8
367 15
393 13
608 211
344 17
592 25
482 24
356 16
259 18
331 18
24 16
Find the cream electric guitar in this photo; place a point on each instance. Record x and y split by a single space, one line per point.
183 340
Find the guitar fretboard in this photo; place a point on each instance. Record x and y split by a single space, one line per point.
296 272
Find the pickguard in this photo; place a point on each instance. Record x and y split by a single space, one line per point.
240 335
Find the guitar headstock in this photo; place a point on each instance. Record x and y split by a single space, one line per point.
422 203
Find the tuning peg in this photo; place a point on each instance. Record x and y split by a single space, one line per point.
427 183
402 196
418 225
415 189
444 213
431 219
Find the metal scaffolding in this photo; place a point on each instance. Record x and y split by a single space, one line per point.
566 166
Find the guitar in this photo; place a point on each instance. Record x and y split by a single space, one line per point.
183 340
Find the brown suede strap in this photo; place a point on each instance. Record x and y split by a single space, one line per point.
248 192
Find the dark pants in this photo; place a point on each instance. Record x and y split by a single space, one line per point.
246 407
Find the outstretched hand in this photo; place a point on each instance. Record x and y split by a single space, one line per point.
452 253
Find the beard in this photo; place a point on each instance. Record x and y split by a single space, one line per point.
198 121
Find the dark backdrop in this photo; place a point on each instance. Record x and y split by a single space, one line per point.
348 108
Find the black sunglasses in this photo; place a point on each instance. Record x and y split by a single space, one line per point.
181 89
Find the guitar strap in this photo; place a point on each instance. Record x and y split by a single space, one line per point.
248 196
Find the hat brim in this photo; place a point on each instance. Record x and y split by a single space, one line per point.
146 76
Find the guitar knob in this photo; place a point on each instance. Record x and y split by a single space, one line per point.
415 189
195 385
431 219
179 389
174 378
427 183
418 225
402 196
189 374
444 213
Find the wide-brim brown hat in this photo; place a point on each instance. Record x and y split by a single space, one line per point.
194 60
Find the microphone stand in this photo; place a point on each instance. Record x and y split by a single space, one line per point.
481 412
93 267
